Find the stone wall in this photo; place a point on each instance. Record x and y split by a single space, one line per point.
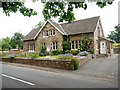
116 50
26 44
67 65
48 40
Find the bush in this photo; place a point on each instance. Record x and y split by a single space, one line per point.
74 52
20 55
60 52
33 55
67 51
65 56
76 62
116 45
3 54
54 52
43 51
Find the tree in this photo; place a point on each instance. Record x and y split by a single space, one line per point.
9 7
17 41
39 24
63 10
115 35
5 44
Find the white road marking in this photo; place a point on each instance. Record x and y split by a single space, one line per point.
18 79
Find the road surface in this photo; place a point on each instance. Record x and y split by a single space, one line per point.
19 77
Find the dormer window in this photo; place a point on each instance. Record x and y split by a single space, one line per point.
52 32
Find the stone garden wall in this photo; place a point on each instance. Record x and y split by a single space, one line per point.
68 65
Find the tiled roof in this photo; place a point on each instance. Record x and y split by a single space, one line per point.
31 35
81 26
76 27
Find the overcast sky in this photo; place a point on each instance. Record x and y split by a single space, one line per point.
16 22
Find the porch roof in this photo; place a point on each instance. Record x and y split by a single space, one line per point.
107 39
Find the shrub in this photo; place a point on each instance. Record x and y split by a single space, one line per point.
60 52
20 55
74 52
76 62
65 56
42 51
33 55
3 54
67 51
116 45
54 52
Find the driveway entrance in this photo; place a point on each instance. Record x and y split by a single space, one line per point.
100 67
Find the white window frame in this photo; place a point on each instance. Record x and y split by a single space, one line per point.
52 32
74 43
31 49
54 45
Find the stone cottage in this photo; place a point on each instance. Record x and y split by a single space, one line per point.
52 35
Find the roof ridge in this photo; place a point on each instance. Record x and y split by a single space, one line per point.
81 20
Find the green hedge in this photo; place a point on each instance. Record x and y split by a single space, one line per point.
56 52
74 52
76 62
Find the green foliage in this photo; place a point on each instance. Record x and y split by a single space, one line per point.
9 7
65 10
85 44
76 62
17 41
115 35
66 46
60 52
74 52
54 52
116 45
5 44
67 51
33 55
20 55
42 50
64 57
39 24
3 55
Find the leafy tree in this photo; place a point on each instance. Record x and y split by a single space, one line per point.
9 7
63 10
5 44
17 40
115 35
39 24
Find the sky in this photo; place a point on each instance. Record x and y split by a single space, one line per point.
16 22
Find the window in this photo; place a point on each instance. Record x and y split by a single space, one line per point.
75 44
45 33
72 45
31 47
43 44
54 46
52 32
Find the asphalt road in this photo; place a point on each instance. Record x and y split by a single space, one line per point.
91 75
20 77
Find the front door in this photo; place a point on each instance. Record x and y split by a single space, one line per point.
102 47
